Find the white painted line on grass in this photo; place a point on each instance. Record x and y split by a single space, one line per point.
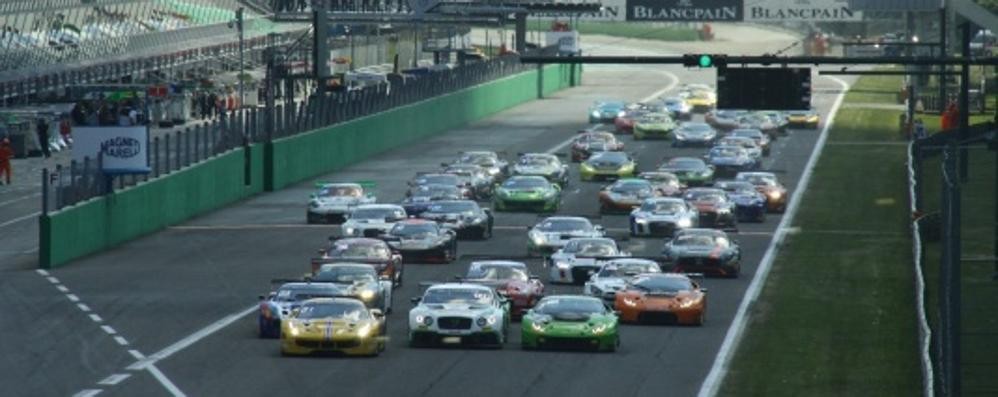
73 297
121 341
163 380
191 339
108 329
924 331
88 393
83 307
95 318
712 384
23 218
114 379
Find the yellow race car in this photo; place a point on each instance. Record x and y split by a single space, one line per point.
333 325
803 118
700 100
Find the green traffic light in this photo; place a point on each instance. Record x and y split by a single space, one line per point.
706 61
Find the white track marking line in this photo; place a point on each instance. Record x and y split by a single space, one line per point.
163 380
114 379
88 393
62 288
73 297
52 280
83 307
108 329
23 218
191 339
42 272
137 354
96 318
121 341
712 384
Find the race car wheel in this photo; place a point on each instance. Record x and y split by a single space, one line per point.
675 143
486 232
398 279
613 347
701 318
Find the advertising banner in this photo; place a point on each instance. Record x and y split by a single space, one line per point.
123 150
612 10
800 10
685 10
567 42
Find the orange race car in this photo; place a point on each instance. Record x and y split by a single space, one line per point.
767 184
662 298
625 195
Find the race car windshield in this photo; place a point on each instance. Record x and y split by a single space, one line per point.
661 284
340 191
708 197
760 180
611 157
415 230
536 161
754 134
568 306
696 127
526 183
726 151
353 311
738 187
628 270
686 164
480 159
438 180
499 273
345 274
697 240
436 191
565 225
596 137
668 179
700 95
640 189
653 119
452 207
366 251
457 295
744 143
301 294
662 207
591 248
388 214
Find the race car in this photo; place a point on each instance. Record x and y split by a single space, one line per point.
750 205
489 161
767 184
662 298
420 240
421 197
665 183
474 177
691 171
554 232
724 119
662 216
691 133
440 178
459 314
570 322
778 118
372 220
465 217
587 143
624 195
278 304
715 208
762 140
371 251
332 201
613 276
358 280
573 263
340 325
803 118
654 125
607 165
534 193
700 100
677 108
730 160
760 121
511 279
542 164
624 124
751 148
605 111
706 251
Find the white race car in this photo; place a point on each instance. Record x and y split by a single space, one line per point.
574 262
613 276
662 216
554 232
459 314
372 220
332 201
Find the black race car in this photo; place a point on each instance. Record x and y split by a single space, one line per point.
706 251
464 217
422 196
420 240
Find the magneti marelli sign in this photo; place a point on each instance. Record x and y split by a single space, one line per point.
685 10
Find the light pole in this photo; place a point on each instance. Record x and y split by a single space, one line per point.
238 25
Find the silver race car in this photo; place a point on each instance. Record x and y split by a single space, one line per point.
372 220
554 232
662 216
332 201
574 262
612 277
459 314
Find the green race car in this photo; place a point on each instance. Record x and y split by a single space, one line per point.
527 193
570 322
654 125
608 165
690 170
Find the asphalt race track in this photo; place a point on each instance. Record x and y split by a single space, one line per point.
181 302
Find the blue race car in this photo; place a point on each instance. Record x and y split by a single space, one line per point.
730 160
606 111
750 205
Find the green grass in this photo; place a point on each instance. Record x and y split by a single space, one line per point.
875 89
837 314
635 30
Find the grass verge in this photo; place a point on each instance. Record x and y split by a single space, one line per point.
837 315
634 30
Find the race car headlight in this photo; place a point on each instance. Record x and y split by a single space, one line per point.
364 331
595 113
293 329
594 290
367 294
586 167
599 329
481 321
539 327
491 319
562 265
630 302
680 136
775 195
685 222
723 211
686 303
621 113
705 172
425 320
313 204
349 230
640 220
536 238
627 167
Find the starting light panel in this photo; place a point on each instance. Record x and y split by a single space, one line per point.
764 88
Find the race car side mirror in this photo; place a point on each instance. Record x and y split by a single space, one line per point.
704 290
416 299
377 313
443 164
294 312
616 312
457 277
384 277
261 297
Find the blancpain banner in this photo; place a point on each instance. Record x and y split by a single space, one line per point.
800 10
122 150
684 10
612 10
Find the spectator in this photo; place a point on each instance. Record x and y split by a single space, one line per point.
6 153
950 117
920 129
133 115
65 129
123 119
43 137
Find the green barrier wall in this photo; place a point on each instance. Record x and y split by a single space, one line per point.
308 155
105 222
